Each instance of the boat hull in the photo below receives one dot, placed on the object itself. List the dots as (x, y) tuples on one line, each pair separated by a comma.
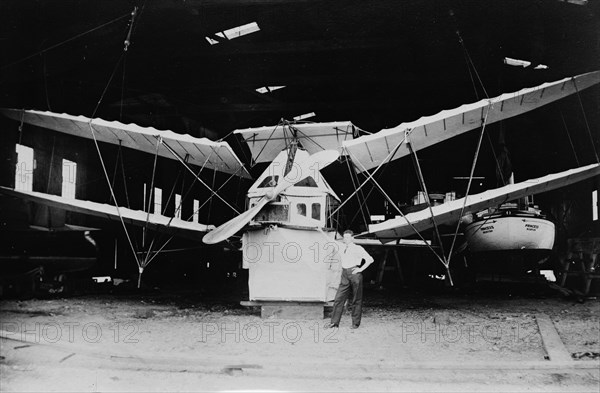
[(509, 243)]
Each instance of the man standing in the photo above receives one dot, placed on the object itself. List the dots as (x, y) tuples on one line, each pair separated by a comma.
[(352, 281)]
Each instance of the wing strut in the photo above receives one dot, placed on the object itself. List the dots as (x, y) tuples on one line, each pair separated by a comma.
[(112, 193), (397, 209), (360, 203), (174, 153), (462, 210), (587, 124), (370, 176), (445, 261), (150, 195)]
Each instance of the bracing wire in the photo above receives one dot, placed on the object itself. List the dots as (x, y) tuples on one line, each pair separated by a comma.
[(587, 124), (390, 200), (360, 209), (65, 41), (112, 192), (424, 186), (471, 174), (371, 174), (570, 140)]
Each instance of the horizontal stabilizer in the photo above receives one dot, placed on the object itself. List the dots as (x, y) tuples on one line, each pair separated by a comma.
[(199, 151), (134, 217), (393, 229), (265, 143), (372, 150)]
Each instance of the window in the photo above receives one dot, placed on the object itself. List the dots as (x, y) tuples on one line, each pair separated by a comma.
[(301, 209), (234, 33), (69, 178), (268, 89), (304, 116), (595, 205), (316, 211), (24, 170), (196, 214), (177, 206), (270, 181), (308, 182), (157, 201)]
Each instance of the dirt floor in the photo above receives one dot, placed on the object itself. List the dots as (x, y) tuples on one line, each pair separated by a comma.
[(183, 341)]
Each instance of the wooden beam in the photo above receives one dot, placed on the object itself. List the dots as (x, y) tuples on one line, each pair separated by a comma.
[(553, 345)]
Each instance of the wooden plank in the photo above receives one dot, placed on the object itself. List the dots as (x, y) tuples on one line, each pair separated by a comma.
[(259, 303), (293, 311), (555, 348)]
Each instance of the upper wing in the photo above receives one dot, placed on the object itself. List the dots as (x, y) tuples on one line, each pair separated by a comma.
[(199, 151), (398, 227), (134, 217), (372, 150), (266, 143)]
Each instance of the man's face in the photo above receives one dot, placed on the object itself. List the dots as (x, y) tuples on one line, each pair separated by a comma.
[(348, 238)]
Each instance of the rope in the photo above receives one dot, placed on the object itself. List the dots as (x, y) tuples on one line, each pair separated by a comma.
[(65, 41)]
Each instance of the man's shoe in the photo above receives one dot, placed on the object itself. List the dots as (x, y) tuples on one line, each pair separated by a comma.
[(330, 325), (354, 327)]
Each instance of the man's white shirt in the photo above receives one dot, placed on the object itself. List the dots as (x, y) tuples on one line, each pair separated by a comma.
[(352, 254)]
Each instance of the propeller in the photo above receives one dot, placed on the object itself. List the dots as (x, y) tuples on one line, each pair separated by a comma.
[(300, 171)]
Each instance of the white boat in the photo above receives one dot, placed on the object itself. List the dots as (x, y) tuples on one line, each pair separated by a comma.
[(509, 237)]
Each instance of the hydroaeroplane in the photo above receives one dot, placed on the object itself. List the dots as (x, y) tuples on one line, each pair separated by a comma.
[(289, 228)]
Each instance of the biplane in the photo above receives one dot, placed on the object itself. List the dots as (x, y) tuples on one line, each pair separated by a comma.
[(290, 227)]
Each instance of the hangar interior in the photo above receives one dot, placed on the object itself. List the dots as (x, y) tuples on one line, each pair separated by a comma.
[(209, 67)]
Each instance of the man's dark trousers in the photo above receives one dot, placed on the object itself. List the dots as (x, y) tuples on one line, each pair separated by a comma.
[(350, 282)]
